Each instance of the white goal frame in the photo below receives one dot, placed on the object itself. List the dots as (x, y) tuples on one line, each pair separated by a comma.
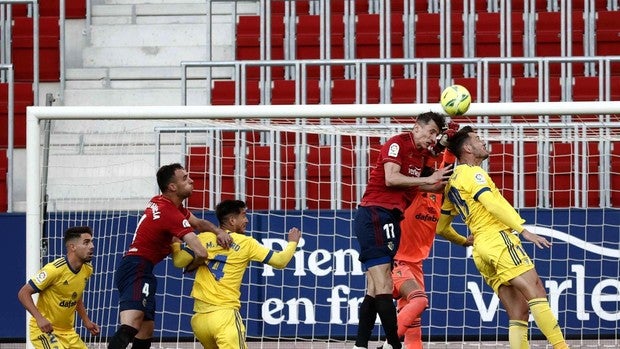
[(35, 116)]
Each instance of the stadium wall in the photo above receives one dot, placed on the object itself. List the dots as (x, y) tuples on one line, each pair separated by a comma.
[(580, 272)]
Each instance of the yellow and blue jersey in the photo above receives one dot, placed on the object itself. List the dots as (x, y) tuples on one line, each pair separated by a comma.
[(464, 188), (59, 289)]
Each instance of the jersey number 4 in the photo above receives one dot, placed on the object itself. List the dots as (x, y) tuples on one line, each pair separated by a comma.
[(216, 266)]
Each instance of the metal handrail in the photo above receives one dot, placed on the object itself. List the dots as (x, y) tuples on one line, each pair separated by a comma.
[(8, 68)]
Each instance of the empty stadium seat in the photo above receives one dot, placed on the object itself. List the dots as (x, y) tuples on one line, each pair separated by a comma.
[(258, 175), (319, 192), (586, 88), (23, 97), (549, 37), (248, 43), (404, 91), (74, 9), (283, 92), (488, 39), (427, 40), (471, 84), (223, 92), (527, 90), (344, 92), (607, 33), (615, 176), (501, 170), (49, 53), (198, 169), (308, 42)]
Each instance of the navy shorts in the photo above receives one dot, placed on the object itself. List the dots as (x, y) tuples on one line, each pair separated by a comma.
[(378, 233), (136, 286)]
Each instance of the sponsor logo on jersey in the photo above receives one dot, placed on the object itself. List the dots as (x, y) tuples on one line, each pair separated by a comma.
[(426, 217), (186, 224), (415, 171), (67, 304)]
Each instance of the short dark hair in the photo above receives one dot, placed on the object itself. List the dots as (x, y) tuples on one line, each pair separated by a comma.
[(165, 174), (75, 233), (227, 208), (455, 144), (425, 118)]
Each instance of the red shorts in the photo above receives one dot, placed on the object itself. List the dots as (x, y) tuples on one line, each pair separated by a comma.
[(404, 271)]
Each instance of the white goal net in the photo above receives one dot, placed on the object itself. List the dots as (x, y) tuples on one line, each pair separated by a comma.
[(307, 166)]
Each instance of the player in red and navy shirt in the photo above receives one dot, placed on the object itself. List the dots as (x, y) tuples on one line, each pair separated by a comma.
[(164, 221), (391, 187)]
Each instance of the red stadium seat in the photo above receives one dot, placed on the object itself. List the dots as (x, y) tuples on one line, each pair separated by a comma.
[(258, 175), (549, 36), (586, 88), (283, 92), (198, 168), (502, 172), (488, 41), (344, 92), (318, 177), (248, 43), (49, 53), (615, 176), (404, 91), (23, 97), (223, 92), (607, 33), (308, 42)]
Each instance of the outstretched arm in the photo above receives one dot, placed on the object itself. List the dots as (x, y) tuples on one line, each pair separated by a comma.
[(502, 211), (280, 259)]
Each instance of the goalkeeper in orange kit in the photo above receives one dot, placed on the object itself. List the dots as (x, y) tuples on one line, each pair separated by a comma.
[(418, 229)]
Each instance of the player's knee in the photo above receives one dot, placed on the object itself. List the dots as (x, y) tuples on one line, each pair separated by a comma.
[(123, 336), (419, 297)]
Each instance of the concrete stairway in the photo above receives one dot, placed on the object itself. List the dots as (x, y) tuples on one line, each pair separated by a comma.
[(134, 49)]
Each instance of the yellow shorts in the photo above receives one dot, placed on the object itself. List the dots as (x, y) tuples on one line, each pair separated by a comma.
[(56, 340), (221, 329), (500, 258)]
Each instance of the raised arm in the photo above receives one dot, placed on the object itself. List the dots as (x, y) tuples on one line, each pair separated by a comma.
[(280, 259)]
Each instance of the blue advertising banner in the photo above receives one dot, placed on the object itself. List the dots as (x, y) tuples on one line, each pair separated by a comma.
[(318, 294)]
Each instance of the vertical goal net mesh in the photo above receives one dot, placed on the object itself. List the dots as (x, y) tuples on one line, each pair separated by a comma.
[(563, 177)]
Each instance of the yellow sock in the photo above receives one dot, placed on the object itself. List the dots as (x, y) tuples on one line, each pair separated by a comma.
[(546, 322), (517, 334)]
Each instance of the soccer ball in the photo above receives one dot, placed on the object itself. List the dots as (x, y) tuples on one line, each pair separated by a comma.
[(455, 100)]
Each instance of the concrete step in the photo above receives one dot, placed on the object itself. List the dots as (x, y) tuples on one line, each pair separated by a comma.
[(151, 35), (144, 73), (141, 56), (133, 96), (172, 10)]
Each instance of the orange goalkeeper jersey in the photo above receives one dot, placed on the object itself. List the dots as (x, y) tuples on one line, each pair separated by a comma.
[(418, 227)]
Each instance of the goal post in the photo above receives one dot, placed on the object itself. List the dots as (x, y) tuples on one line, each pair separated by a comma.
[(307, 166)]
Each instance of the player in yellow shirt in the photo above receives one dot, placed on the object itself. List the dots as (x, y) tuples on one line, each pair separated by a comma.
[(60, 285), (217, 285), (498, 253)]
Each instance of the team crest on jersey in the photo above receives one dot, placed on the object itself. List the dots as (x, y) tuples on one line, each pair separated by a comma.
[(41, 276), (480, 178), (74, 295), (186, 224), (394, 149), (390, 245)]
